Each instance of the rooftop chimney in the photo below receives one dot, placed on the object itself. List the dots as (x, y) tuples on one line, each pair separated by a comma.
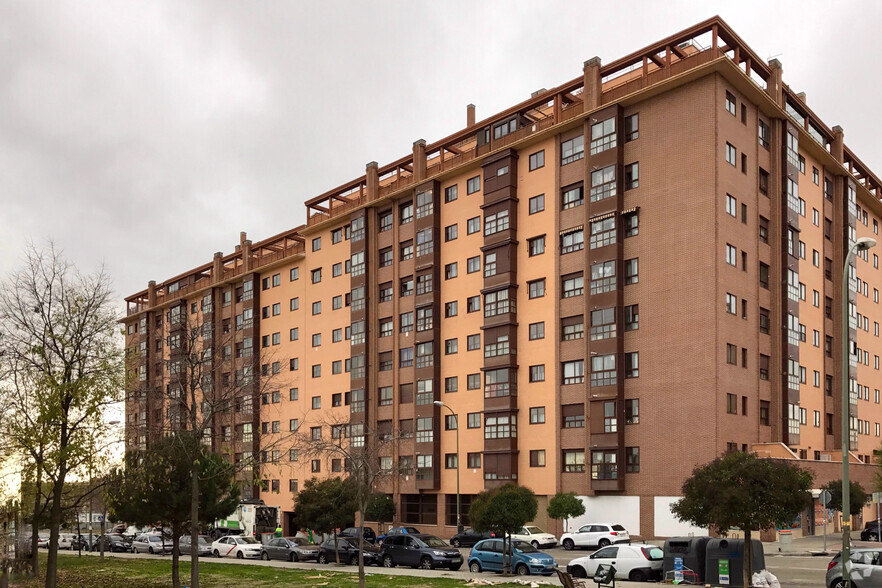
[(470, 115)]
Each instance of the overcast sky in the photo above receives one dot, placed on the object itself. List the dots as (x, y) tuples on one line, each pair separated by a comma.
[(146, 135)]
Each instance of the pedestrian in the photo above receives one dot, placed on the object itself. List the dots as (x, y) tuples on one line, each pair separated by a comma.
[(279, 531)]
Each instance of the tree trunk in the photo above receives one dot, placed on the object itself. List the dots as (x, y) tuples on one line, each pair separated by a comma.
[(361, 547), (79, 543), (336, 548), (176, 551), (55, 525), (35, 525), (194, 527), (747, 560)]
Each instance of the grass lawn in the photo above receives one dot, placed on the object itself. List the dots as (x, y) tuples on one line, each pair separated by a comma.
[(89, 572)]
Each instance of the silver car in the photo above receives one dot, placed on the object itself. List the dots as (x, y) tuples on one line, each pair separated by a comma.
[(151, 543), (866, 569)]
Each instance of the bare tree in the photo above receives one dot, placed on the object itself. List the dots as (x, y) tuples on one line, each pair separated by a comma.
[(62, 364)]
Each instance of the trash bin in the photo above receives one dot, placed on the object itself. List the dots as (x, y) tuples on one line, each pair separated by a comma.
[(784, 540), (691, 553), (605, 575), (725, 559)]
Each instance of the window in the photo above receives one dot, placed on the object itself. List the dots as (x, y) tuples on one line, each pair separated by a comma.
[(473, 304), (405, 213), (603, 233), (405, 322), (385, 221), (632, 176), (450, 309), (537, 288), (473, 185), (317, 244), (316, 275), (572, 328), (537, 373), (632, 317), (764, 275), (537, 160), (731, 304), (764, 181), (425, 242), (295, 274), (450, 271), (536, 245), (731, 205), (731, 354), (603, 183), (294, 303), (473, 225), (632, 127), (473, 381), (537, 331), (473, 264), (450, 193), (764, 134), (500, 427), (632, 460), (537, 458), (573, 416), (424, 283), (572, 150), (451, 346), (317, 307), (405, 286), (537, 203), (603, 135), (603, 324), (731, 255), (573, 285), (731, 154), (572, 197), (631, 224), (405, 357), (632, 369), (386, 292), (573, 460), (450, 233), (424, 202), (386, 257), (572, 241), (451, 384), (631, 273), (574, 371), (603, 370), (496, 223), (730, 103), (474, 460)]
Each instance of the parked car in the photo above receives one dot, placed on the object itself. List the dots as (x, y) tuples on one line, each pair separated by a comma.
[(469, 537), (535, 537), (237, 546), (595, 535), (352, 533), (419, 550), (398, 531), (637, 562), (289, 549), (871, 531), (185, 543), (82, 542), (348, 552), (113, 543), (866, 569), (151, 543), (486, 555), (65, 540), (43, 541)]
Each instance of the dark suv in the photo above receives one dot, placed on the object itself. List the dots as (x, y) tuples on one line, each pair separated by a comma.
[(871, 531), (352, 533), (425, 551)]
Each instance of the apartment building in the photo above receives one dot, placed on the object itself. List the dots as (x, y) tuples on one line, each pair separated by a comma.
[(608, 284)]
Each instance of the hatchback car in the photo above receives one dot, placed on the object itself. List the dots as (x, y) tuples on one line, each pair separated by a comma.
[(871, 531), (151, 543), (526, 559), (185, 543), (352, 533), (866, 569), (289, 549), (637, 562), (469, 537), (535, 537), (595, 535), (237, 546), (348, 550), (419, 550)]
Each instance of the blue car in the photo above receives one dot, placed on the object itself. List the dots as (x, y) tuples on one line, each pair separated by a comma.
[(526, 559)]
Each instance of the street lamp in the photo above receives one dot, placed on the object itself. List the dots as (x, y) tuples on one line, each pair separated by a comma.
[(104, 510), (862, 244), (458, 504)]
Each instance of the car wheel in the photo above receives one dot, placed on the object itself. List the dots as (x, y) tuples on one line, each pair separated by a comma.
[(322, 558), (264, 556), (579, 572), (475, 567), (134, 550), (216, 553), (426, 564), (603, 543), (353, 559), (568, 544), (293, 558), (839, 583), (455, 543), (872, 537), (637, 576), (150, 550), (535, 544), (522, 570), (387, 561), (239, 555)]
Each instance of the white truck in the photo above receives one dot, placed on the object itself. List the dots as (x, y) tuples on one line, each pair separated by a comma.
[(252, 518)]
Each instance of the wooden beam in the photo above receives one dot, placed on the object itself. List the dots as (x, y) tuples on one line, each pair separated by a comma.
[(452, 149), (678, 52), (657, 60)]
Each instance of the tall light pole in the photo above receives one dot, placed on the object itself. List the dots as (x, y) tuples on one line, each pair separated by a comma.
[(862, 244), (103, 509), (458, 504)]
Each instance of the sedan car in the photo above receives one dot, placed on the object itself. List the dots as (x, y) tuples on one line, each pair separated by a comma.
[(289, 549), (469, 537), (418, 550), (866, 569), (348, 550), (595, 535), (112, 543), (237, 546), (398, 531), (526, 559), (535, 537), (185, 542), (352, 533), (151, 543), (637, 562)]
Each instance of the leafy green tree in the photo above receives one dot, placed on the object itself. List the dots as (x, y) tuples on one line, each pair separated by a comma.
[(62, 365), (380, 508), (742, 491), (503, 510), (326, 505), (858, 497), (155, 487), (565, 505)]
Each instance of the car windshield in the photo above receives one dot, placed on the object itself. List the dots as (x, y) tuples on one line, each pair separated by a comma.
[(618, 528), (154, 538), (434, 542), (411, 530), (249, 540), (525, 547), (203, 541), (535, 531)]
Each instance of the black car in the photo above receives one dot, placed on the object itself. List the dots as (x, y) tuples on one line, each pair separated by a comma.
[(289, 549), (112, 543), (352, 533), (82, 542), (469, 537), (348, 552), (424, 551), (871, 531)]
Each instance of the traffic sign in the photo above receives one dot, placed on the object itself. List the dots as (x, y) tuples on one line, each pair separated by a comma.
[(100, 518), (824, 497), (877, 496)]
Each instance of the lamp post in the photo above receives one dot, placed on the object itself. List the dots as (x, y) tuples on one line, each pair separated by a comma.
[(103, 510), (458, 504), (862, 244)]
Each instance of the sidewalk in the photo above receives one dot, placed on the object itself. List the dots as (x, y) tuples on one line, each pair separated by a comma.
[(814, 545)]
